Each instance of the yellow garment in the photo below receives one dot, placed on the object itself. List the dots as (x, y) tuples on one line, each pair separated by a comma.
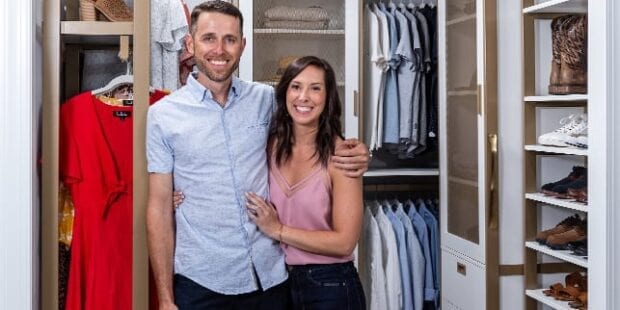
[(66, 212)]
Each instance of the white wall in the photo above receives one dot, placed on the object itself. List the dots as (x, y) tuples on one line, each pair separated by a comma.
[(18, 182), (510, 131)]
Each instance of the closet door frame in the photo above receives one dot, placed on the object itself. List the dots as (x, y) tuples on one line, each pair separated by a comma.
[(486, 251)]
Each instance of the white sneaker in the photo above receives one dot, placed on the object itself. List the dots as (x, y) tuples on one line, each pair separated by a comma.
[(573, 126)]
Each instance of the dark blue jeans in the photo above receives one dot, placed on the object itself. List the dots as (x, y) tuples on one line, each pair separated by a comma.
[(191, 295), (329, 286)]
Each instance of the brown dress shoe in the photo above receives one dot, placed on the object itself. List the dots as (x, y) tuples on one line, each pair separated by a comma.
[(560, 241), (565, 225)]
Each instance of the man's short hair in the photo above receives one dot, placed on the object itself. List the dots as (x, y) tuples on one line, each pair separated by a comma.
[(217, 6)]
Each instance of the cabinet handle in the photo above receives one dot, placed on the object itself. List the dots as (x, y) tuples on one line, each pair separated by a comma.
[(492, 186), (479, 99), (356, 103), (461, 268)]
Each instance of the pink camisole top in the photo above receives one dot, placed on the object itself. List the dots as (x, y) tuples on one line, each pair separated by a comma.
[(306, 204)]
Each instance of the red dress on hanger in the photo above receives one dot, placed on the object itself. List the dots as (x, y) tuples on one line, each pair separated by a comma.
[(96, 164)]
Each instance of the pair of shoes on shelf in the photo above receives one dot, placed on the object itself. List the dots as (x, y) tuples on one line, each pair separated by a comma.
[(560, 241), (576, 180), (569, 42), (113, 10), (571, 229), (574, 290), (572, 132), (565, 225)]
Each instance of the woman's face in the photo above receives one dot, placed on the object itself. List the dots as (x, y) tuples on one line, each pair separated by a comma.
[(305, 96)]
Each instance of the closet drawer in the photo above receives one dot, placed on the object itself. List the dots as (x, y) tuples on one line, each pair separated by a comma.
[(462, 282)]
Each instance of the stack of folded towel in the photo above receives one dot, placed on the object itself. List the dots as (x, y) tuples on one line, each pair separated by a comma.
[(287, 17)]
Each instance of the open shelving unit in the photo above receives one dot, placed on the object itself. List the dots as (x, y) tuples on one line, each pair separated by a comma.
[(536, 203), (58, 33)]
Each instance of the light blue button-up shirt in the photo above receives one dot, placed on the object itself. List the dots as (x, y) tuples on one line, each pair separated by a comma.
[(216, 154)]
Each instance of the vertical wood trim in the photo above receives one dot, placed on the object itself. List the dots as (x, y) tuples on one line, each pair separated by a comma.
[(50, 175), (490, 50), (141, 62)]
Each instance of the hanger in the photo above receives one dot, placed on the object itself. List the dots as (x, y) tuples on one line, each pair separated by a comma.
[(124, 79)]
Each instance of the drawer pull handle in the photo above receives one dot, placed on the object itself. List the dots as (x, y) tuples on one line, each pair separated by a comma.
[(461, 268)]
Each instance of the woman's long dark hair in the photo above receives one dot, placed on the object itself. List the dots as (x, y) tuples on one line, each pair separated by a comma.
[(281, 129)]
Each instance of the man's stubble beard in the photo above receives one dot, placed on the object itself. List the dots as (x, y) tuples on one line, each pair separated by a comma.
[(200, 63)]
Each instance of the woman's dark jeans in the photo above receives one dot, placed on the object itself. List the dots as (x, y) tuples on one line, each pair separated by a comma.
[(329, 286)]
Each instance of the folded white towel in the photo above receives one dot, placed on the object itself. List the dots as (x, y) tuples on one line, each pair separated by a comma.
[(296, 24)]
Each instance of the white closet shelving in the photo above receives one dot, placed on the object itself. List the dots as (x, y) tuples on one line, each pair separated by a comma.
[(537, 206)]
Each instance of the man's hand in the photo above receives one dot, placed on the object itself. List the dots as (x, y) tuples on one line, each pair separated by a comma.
[(352, 156)]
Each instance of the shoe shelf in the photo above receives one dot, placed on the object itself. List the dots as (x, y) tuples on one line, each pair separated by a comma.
[(556, 98), (549, 301), (559, 254), (558, 7), (299, 31), (403, 172), (462, 19), (556, 150), (564, 203), (96, 28)]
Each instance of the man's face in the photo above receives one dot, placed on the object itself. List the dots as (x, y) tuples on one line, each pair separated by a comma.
[(216, 45)]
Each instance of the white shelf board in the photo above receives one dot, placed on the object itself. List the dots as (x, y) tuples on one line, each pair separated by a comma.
[(274, 83), (299, 31), (559, 254), (549, 301), (394, 172), (556, 150), (558, 6), (96, 28), (564, 203), (462, 19), (556, 98)]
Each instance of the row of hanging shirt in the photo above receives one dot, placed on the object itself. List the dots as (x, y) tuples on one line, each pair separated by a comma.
[(402, 82), (398, 254)]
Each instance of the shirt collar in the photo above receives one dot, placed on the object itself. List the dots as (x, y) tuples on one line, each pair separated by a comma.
[(201, 93)]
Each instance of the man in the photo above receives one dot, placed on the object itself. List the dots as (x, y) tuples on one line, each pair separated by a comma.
[(212, 134)]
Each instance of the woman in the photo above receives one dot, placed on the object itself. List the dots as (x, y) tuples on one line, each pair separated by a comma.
[(318, 210), (315, 210)]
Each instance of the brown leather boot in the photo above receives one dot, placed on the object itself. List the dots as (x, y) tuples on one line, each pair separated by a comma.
[(554, 77), (573, 67)]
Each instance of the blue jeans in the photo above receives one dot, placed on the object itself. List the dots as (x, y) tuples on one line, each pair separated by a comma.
[(191, 295), (329, 286)]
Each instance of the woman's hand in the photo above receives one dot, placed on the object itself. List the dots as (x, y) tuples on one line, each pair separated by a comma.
[(177, 198), (264, 214)]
